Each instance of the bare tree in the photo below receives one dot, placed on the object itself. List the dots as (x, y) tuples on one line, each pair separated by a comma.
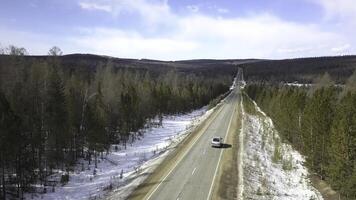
[(323, 81), (2, 50), (55, 51), (16, 51), (350, 85)]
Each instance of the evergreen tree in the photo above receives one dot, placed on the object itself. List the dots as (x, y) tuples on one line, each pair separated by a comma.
[(56, 119), (51, 115), (10, 140), (339, 159), (320, 125)]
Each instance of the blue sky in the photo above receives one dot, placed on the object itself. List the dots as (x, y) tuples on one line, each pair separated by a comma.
[(182, 29)]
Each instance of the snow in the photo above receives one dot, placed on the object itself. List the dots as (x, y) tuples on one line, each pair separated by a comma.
[(296, 84), (265, 176), (234, 83), (240, 163), (131, 163), (137, 178)]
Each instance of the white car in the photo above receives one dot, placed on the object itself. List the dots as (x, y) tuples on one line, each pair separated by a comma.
[(216, 142)]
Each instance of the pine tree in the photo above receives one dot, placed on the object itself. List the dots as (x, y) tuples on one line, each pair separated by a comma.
[(54, 114), (338, 151), (351, 184), (95, 125), (56, 119), (10, 140), (75, 102), (326, 128)]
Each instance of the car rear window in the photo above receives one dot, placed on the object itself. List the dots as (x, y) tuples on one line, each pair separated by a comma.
[(216, 139)]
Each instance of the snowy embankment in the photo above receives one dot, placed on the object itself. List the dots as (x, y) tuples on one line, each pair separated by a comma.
[(296, 84), (272, 169), (122, 167)]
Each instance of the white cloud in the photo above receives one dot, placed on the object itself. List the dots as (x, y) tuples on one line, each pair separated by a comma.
[(339, 16), (121, 43), (193, 8), (201, 36), (295, 50), (223, 10), (35, 43), (341, 49), (197, 36), (94, 6), (338, 8), (194, 35), (151, 11), (256, 36)]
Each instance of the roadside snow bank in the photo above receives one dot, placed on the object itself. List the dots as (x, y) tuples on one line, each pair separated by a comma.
[(272, 169), (122, 166)]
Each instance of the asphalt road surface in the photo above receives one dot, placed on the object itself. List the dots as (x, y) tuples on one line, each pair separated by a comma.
[(193, 176)]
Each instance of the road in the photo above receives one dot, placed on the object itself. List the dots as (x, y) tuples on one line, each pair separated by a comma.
[(193, 176)]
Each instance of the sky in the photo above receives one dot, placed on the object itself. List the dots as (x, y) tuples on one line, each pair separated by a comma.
[(182, 29)]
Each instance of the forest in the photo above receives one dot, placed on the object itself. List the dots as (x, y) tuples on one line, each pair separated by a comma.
[(320, 122), (53, 114), (302, 70)]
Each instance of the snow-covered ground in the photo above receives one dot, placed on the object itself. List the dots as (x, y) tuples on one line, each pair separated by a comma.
[(272, 169), (296, 84), (117, 169)]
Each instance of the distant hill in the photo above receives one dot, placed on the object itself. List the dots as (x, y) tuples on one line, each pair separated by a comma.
[(303, 70), (91, 62)]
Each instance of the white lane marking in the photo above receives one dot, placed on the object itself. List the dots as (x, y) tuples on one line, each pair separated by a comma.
[(204, 151), (193, 170), (217, 166), (185, 153)]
